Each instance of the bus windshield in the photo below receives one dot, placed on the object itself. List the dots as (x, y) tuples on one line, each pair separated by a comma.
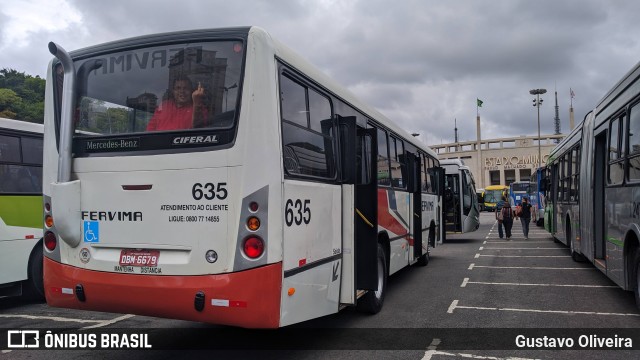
[(160, 88), (520, 186), (493, 196)]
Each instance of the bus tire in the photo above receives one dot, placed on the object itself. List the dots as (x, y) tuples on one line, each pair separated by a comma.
[(372, 301), (33, 287), (424, 259)]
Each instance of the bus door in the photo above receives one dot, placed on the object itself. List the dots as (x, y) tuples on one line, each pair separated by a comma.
[(550, 220), (599, 167), (438, 174), (360, 209), (413, 166), (452, 203)]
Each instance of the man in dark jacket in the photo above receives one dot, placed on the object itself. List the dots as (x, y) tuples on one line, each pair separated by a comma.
[(525, 216)]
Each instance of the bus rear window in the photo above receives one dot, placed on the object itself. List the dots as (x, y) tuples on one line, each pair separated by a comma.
[(177, 87)]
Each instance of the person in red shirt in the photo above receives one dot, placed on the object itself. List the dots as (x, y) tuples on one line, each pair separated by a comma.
[(183, 110)]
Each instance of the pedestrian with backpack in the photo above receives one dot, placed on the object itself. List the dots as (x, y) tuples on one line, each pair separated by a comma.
[(507, 218), (498, 215)]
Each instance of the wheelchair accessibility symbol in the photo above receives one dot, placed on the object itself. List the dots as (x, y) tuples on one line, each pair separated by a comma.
[(91, 231)]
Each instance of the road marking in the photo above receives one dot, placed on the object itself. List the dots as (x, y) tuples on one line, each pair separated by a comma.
[(466, 281), (98, 323), (535, 248), (517, 242), (481, 247), (108, 322), (431, 350), (53, 318), (477, 256), (479, 357), (529, 267), (484, 242), (525, 256), (452, 307)]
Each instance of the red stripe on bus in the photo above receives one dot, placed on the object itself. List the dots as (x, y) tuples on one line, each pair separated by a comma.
[(172, 296), (386, 219)]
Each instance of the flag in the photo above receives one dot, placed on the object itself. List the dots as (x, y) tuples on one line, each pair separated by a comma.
[(479, 102), (572, 93)]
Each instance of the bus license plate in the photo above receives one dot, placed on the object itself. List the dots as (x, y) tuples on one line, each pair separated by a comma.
[(139, 257)]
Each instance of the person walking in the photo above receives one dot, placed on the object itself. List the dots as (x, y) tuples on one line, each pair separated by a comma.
[(507, 218), (498, 215), (525, 216)]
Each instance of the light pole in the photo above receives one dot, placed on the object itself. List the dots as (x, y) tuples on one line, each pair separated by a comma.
[(537, 102), (226, 94)]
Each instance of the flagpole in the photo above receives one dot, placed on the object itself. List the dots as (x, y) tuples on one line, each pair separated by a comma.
[(479, 143)]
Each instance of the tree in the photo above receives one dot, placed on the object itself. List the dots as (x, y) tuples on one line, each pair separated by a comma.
[(21, 96), (9, 103)]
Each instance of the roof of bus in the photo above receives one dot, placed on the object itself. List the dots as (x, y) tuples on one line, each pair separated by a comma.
[(21, 125), (612, 95), (294, 59), (496, 187)]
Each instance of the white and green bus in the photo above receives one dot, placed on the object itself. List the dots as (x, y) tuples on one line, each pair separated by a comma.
[(593, 192), (216, 176), (20, 208)]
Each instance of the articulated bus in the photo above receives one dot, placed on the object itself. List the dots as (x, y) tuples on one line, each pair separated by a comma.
[(493, 194), (216, 176), (537, 193), (594, 192), (21, 209), (462, 212)]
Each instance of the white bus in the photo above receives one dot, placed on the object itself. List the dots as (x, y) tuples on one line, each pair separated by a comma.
[(593, 197), (267, 196), (20, 209), (462, 211)]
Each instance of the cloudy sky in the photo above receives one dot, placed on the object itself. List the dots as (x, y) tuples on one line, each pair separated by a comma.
[(423, 63)]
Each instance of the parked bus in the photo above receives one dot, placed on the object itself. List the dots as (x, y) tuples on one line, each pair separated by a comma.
[(594, 193), (518, 190), (461, 203), (268, 196), (537, 193), (20, 209), (493, 194)]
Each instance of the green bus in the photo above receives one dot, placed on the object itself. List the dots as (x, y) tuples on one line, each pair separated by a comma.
[(21, 209)]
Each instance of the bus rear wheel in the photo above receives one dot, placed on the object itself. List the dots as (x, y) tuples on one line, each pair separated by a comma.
[(372, 301), (33, 287)]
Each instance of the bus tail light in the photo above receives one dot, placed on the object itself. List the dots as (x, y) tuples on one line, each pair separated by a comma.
[(253, 247), (50, 241)]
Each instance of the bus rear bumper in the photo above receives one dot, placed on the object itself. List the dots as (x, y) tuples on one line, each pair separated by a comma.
[(248, 298)]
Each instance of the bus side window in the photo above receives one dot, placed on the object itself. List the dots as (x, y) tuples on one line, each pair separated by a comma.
[(383, 159), (634, 143)]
